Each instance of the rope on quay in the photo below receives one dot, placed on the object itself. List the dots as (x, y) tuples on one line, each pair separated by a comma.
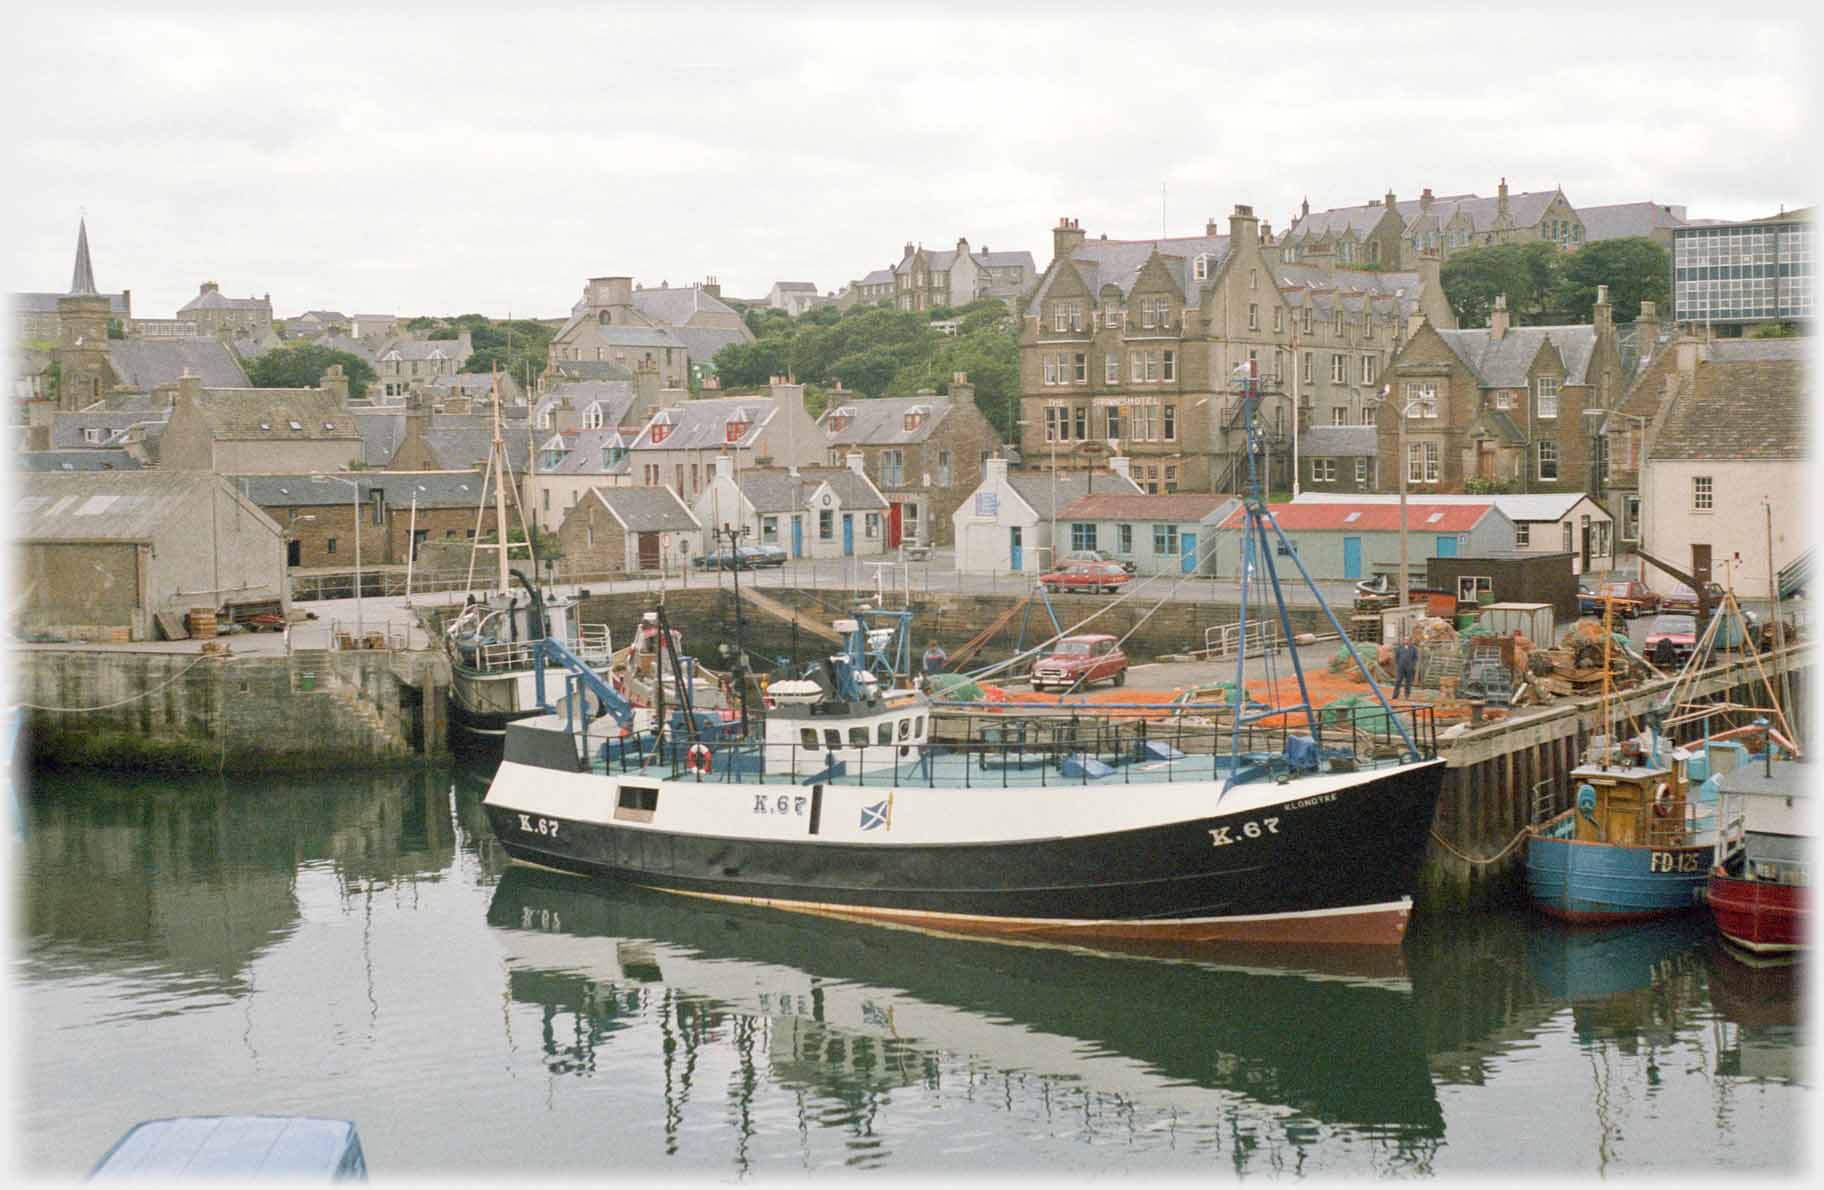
[(1470, 859), (124, 701)]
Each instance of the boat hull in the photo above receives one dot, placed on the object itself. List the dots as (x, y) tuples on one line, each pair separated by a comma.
[(1758, 915), (1335, 868), (1592, 882)]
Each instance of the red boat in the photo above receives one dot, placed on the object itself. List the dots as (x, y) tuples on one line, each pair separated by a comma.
[(1759, 889)]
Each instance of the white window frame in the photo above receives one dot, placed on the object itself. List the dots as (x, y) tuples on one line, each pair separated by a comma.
[(1523, 534), (1339, 368), (1426, 396), (1169, 366), (1703, 494), (1546, 399), (1368, 361), (1111, 368), (1253, 316), (1323, 470), (1546, 447)]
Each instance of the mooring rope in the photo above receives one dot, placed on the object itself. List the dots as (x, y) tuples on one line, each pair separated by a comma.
[(1470, 859), (124, 701)]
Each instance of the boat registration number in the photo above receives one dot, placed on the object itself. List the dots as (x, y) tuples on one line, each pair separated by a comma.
[(1674, 861), (1222, 836), (538, 826)]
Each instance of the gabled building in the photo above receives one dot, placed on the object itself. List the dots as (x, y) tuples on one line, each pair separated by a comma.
[(410, 363), (1622, 220), (925, 279), (1728, 464), (675, 331), (923, 452), (615, 532), (811, 512), (251, 430), (399, 512), (871, 290), (794, 297), (1007, 523), (569, 463), (1506, 408), (1394, 234), (1341, 459), (1131, 347), (216, 313), (679, 445)]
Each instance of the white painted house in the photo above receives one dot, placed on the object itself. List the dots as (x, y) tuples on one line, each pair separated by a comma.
[(1007, 521), (1728, 452), (810, 512)]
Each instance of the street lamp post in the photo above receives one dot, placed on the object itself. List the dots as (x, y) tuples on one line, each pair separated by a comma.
[(355, 504), (1401, 465)]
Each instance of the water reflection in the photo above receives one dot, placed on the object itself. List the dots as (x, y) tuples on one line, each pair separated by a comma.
[(850, 1013)]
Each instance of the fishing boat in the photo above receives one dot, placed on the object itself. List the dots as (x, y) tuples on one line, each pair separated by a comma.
[(490, 643), (1280, 826), (1760, 883)]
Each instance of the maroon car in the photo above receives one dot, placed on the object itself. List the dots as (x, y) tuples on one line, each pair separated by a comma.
[(1670, 639), (1684, 599), (1080, 660), (1085, 576), (1630, 597)]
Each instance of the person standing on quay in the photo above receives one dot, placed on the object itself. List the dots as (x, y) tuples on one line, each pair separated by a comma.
[(1405, 667)]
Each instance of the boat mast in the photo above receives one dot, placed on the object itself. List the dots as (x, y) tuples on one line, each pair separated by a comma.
[(497, 453)]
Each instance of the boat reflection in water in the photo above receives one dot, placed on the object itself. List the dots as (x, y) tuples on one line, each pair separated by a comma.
[(842, 1005), (1762, 1033), (1641, 985)]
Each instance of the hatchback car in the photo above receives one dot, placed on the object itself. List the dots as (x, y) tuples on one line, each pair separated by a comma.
[(1670, 639), (1684, 599), (1630, 597), (1076, 556), (1080, 660), (1085, 576)]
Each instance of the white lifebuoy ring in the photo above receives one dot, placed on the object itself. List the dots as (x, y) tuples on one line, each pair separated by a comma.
[(697, 760), (1662, 801)]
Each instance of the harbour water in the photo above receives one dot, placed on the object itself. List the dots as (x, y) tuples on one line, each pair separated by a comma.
[(360, 948)]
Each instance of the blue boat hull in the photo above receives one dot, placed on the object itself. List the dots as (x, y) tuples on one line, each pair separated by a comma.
[(1602, 882)]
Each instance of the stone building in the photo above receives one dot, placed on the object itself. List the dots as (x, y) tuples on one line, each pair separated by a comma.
[(679, 446), (399, 512), (794, 297), (1339, 459), (1131, 348), (925, 279), (925, 453), (260, 430), (215, 313), (1646, 220), (615, 532), (98, 552), (1393, 234), (810, 512), (678, 331), (871, 290), (407, 364), (1507, 408)]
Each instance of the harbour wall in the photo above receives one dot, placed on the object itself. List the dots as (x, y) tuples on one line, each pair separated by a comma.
[(310, 710)]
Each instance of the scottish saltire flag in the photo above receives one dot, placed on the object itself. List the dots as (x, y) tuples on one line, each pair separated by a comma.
[(873, 816)]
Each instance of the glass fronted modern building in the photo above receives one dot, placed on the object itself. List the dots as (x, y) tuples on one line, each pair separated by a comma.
[(1757, 271)]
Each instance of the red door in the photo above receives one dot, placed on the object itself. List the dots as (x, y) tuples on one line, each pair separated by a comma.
[(893, 526)]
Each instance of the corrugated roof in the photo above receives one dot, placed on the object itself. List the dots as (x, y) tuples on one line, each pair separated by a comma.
[(110, 505), (646, 510), (1180, 507), (1373, 517)]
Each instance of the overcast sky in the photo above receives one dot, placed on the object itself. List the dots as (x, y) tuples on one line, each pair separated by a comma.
[(443, 160)]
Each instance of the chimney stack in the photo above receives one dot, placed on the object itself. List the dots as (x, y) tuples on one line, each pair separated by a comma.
[(1121, 465), (1501, 196), (1211, 228), (1497, 319), (725, 468), (1243, 226), (1064, 238), (1646, 327), (335, 384), (712, 287), (1602, 314), (857, 462), (995, 470), (189, 386), (1388, 200), (1425, 199)]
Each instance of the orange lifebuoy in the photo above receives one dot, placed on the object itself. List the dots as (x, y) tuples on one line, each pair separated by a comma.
[(697, 760), (1662, 801)]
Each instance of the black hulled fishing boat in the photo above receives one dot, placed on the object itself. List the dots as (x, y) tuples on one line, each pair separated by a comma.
[(1277, 826)]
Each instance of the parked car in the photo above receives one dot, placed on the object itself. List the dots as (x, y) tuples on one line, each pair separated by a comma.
[(1097, 556), (1588, 602), (1630, 597), (1684, 599), (764, 555), (1670, 639), (1085, 576), (740, 558), (1080, 660)]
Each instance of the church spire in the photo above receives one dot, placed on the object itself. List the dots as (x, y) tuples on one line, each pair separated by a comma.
[(82, 281)]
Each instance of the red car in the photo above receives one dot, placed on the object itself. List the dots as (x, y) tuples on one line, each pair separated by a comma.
[(1080, 660), (1670, 639), (1085, 576), (1684, 599), (1631, 597)]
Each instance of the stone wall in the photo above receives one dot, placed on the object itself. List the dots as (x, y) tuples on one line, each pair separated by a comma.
[(312, 710)]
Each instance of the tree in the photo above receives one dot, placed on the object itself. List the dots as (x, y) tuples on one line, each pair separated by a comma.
[(1634, 268), (115, 330), (1526, 273), (302, 365), (519, 346), (422, 323)]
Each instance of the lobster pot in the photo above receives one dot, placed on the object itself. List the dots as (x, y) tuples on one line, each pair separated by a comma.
[(201, 622)]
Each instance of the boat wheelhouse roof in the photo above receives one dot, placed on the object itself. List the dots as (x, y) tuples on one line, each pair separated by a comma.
[(1788, 780)]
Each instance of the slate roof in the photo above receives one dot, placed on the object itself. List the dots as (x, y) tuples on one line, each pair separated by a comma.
[(882, 421), (584, 453), (677, 306), (428, 349), (1118, 262), (67, 429), (1539, 506), (616, 396), (1627, 219), (46, 303), (1035, 487), (877, 277), (590, 369), (1179, 507), (776, 489), (699, 425), (109, 505), (795, 287), (646, 510), (359, 348), (432, 489), (74, 460), (215, 299), (1374, 516), (1337, 441), (381, 433), (1503, 363), (275, 415), (1747, 403), (702, 342), (145, 364), (462, 447)]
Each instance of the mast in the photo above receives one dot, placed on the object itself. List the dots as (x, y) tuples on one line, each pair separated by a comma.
[(497, 454)]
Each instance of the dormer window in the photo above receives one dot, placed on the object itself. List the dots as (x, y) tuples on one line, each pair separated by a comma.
[(592, 416), (296, 425), (736, 427), (1200, 267), (915, 416), (839, 420)]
